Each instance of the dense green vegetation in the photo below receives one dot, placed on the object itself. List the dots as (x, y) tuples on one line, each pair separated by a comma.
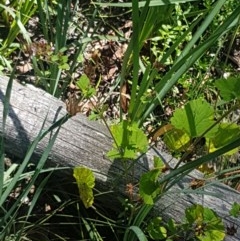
[(174, 68)]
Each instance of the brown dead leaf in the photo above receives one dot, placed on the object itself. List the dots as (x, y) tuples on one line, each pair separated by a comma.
[(197, 183), (72, 105), (112, 71), (124, 98), (26, 67), (120, 51), (128, 24), (87, 106), (161, 131)]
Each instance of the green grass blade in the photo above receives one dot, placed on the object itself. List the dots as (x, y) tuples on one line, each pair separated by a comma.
[(182, 65), (27, 158), (142, 3), (135, 37), (44, 17), (137, 233), (62, 23), (20, 19), (180, 39), (6, 105), (176, 175), (20, 170), (142, 97), (38, 170), (12, 211), (92, 230), (207, 21), (34, 200)]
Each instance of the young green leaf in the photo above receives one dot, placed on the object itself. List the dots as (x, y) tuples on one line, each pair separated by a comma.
[(229, 88), (158, 163), (156, 230), (149, 188), (207, 225), (129, 139), (64, 66), (177, 140), (235, 210), (83, 83), (195, 118), (54, 58), (85, 86), (171, 225), (226, 133), (86, 181)]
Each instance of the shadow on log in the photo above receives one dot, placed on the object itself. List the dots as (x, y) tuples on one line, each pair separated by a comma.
[(84, 142)]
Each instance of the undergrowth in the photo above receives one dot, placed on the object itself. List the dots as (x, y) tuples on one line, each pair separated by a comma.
[(174, 82)]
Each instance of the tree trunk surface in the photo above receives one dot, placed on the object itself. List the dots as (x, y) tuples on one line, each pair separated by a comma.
[(82, 142)]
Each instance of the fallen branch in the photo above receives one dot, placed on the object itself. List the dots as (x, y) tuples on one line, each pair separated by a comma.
[(84, 142)]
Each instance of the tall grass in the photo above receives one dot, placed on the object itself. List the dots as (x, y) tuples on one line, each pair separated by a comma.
[(9, 179), (144, 18), (15, 16)]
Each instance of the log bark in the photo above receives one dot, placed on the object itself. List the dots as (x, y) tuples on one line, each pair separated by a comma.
[(84, 142)]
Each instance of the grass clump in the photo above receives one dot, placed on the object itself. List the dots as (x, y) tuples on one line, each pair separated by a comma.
[(165, 83)]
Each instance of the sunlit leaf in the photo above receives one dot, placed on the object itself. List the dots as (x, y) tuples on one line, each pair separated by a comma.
[(158, 163), (229, 88), (64, 59), (54, 58), (226, 133), (85, 86), (83, 83), (195, 118), (177, 140), (64, 66), (86, 181), (129, 141)]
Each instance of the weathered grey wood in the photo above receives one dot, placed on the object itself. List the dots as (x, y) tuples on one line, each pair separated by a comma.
[(84, 142)]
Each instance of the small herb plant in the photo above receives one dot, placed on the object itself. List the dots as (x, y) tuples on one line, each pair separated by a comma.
[(12, 179), (195, 120), (200, 223), (184, 43)]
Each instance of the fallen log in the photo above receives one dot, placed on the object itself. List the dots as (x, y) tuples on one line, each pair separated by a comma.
[(84, 142)]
